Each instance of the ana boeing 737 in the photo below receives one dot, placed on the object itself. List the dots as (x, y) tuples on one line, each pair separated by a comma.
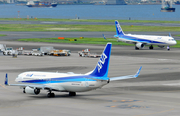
[(141, 40), (34, 82)]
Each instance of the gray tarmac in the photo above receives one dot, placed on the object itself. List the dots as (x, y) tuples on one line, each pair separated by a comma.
[(22, 35), (154, 93), (88, 23)]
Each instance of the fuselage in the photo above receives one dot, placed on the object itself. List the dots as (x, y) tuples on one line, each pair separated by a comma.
[(64, 82), (148, 39)]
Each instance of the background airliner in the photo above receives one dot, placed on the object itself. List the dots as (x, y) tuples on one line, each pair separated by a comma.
[(141, 40), (34, 82)]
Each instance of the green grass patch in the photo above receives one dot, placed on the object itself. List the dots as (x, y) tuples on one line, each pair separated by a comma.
[(82, 28), (100, 41), (2, 35), (86, 20)]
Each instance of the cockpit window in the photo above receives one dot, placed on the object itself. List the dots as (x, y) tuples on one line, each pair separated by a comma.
[(171, 40)]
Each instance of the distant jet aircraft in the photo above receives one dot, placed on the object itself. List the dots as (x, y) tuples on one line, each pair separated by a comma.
[(34, 82), (141, 40)]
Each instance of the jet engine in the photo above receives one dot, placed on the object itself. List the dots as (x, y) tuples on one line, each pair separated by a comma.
[(139, 45), (32, 91)]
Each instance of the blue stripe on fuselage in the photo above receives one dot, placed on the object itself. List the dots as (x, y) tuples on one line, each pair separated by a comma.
[(64, 79), (139, 39)]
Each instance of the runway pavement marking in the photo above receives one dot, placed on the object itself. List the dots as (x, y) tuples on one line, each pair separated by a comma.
[(125, 101), (127, 106), (155, 112), (5, 87)]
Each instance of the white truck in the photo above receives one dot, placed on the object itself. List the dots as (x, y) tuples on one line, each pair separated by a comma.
[(36, 52), (9, 51), (2, 49), (45, 49), (86, 53)]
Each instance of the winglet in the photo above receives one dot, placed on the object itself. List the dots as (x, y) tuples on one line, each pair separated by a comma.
[(104, 36), (6, 80), (138, 72)]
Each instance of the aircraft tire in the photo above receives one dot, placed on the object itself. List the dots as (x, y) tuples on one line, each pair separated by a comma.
[(24, 90), (151, 47), (72, 93), (49, 95)]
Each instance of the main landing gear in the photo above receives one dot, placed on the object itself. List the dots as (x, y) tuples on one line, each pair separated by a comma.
[(151, 47), (50, 94), (72, 93)]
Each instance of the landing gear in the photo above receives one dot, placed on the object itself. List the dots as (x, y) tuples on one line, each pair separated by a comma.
[(50, 94), (151, 47), (72, 93), (136, 48), (24, 90)]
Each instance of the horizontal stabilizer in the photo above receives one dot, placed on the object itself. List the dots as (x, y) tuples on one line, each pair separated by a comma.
[(126, 77)]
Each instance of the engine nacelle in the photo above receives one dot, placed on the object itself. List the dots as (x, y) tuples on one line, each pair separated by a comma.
[(32, 91), (161, 46), (139, 45)]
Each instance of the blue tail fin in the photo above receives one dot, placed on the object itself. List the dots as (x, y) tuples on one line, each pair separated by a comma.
[(119, 30), (102, 66)]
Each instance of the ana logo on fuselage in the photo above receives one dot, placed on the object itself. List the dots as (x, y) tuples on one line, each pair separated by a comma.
[(101, 61), (29, 75)]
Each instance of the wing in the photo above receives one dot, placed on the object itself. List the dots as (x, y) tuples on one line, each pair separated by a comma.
[(33, 86), (126, 77), (38, 86)]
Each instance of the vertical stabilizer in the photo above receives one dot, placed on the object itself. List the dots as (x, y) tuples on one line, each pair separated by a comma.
[(102, 66), (119, 30)]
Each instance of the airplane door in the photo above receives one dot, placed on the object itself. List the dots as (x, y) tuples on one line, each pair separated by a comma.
[(86, 83)]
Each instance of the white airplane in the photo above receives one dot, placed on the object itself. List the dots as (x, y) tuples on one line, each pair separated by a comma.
[(34, 82), (141, 40)]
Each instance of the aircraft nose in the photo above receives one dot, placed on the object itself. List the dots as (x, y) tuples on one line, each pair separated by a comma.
[(174, 42)]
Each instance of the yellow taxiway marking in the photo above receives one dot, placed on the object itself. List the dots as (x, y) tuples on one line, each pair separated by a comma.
[(5, 87), (113, 106)]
